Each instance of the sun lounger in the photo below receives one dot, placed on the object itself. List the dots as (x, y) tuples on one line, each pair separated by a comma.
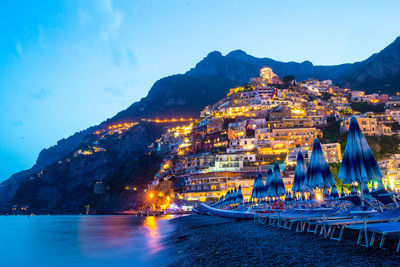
[(384, 229), (386, 216), (385, 197)]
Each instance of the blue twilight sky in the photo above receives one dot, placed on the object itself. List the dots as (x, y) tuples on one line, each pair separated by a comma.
[(67, 65)]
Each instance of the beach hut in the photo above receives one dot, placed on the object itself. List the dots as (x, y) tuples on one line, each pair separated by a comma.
[(276, 187), (299, 174), (358, 163), (318, 172)]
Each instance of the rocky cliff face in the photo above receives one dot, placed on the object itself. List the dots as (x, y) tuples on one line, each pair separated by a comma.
[(67, 185), (381, 71)]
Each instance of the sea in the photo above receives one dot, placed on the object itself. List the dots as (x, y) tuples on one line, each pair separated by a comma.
[(84, 240)]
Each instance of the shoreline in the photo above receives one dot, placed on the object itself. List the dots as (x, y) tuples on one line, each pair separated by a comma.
[(211, 241)]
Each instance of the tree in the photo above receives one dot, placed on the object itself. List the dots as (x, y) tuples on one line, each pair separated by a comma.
[(364, 107), (289, 79), (395, 126)]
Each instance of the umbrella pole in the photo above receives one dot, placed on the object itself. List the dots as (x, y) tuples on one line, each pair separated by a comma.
[(362, 194)]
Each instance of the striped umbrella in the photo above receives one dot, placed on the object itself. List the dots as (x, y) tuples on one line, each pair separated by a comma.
[(334, 192), (353, 190), (239, 196), (227, 197), (257, 187), (234, 196), (365, 188), (268, 182), (318, 172), (358, 163), (299, 174), (276, 187), (342, 194)]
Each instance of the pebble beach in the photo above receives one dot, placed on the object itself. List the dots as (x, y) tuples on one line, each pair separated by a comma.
[(214, 241)]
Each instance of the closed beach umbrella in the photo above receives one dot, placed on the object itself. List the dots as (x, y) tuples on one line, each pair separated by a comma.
[(228, 197), (253, 191), (299, 174), (334, 192), (325, 192), (318, 172), (239, 196), (231, 196), (353, 190), (276, 187), (257, 187), (358, 163), (268, 181), (365, 188), (342, 194), (380, 185), (234, 196), (262, 188)]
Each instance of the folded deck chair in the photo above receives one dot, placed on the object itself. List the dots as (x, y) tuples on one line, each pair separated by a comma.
[(384, 229)]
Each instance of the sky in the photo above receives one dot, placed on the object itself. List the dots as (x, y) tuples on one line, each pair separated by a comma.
[(68, 65)]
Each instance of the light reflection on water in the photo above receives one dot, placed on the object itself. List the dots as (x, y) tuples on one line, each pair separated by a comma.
[(82, 240)]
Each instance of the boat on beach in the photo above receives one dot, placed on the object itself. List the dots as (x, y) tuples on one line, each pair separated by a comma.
[(243, 215)]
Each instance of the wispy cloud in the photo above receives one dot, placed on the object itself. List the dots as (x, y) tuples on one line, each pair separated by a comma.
[(17, 123), (113, 21), (41, 36), (18, 47), (113, 91), (41, 94), (83, 17)]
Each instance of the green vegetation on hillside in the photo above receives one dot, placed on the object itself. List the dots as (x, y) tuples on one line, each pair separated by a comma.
[(365, 107), (381, 146)]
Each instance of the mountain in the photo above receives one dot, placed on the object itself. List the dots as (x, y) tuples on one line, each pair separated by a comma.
[(181, 95)]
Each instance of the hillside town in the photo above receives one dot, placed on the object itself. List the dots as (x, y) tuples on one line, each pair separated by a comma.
[(268, 120)]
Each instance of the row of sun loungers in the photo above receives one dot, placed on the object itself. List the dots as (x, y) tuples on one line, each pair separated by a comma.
[(339, 217)]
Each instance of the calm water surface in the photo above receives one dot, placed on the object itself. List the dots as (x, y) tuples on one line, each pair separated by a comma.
[(83, 240)]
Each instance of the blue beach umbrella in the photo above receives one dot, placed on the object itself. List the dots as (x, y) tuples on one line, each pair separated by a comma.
[(239, 196), (358, 163), (227, 197), (276, 187), (318, 172), (325, 192), (268, 181), (299, 174), (334, 192), (257, 187), (234, 196), (353, 190), (342, 194), (365, 188)]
